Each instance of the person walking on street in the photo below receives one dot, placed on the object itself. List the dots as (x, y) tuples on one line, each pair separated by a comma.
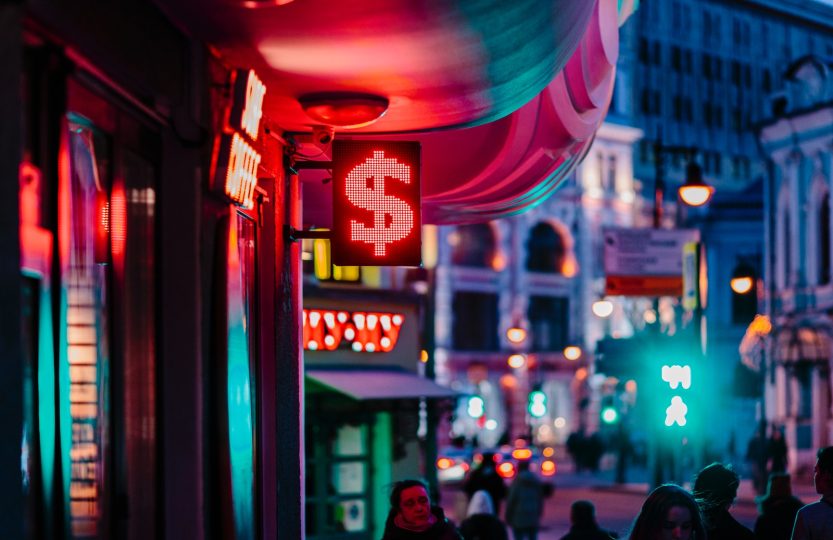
[(485, 477), (776, 451), (669, 513), (776, 510), (412, 517), (756, 457), (815, 521), (481, 523), (715, 489), (583, 523), (525, 504)]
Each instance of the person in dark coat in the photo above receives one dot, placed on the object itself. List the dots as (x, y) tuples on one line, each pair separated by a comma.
[(481, 523), (412, 517), (583, 523), (777, 509), (776, 451), (525, 504), (485, 477), (715, 489)]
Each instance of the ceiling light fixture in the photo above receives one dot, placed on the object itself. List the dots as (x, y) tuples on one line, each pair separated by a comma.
[(345, 110)]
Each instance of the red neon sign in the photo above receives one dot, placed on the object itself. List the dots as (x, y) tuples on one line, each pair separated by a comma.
[(360, 331), (376, 196), (247, 108), (240, 170)]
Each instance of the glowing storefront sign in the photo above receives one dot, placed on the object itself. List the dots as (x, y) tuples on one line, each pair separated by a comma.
[(376, 203), (247, 109), (237, 161), (360, 331)]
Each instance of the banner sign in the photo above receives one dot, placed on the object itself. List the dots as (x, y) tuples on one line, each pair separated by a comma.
[(645, 262), (376, 203)]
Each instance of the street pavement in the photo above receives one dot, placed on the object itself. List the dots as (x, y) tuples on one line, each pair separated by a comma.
[(616, 505)]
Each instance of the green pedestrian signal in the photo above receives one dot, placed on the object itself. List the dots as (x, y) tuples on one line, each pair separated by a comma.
[(678, 379), (537, 404)]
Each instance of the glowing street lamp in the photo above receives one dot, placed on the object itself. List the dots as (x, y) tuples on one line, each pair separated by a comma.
[(602, 308), (572, 352), (695, 191), (516, 335)]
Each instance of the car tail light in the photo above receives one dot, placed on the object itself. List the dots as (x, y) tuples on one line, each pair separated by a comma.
[(521, 453), (444, 463), (548, 468), (506, 470)]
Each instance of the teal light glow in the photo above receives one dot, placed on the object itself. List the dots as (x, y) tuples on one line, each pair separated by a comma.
[(239, 392), (46, 393)]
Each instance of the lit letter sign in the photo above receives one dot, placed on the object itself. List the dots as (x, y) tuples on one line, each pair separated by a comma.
[(235, 168), (376, 214), (359, 331)]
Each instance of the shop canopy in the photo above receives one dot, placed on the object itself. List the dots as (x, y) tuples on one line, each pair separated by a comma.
[(377, 383), (505, 97)]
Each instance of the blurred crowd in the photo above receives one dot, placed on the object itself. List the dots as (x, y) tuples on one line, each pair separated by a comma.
[(668, 512)]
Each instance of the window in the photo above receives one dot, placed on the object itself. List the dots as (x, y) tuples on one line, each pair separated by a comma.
[(549, 322), (824, 240), (644, 55), (645, 102), (473, 245), (475, 326), (766, 81), (744, 306), (736, 72), (545, 249), (676, 58), (610, 182)]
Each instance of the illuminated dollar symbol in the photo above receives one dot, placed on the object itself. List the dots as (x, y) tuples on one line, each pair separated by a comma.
[(374, 199)]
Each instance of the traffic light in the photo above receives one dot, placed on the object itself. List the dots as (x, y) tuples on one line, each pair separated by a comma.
[(678, 379), (608, 412), (476, 407), (537, 404)]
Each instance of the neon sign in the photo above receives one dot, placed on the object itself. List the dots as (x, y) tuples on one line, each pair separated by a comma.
[(237, 161), (376, 196), (360, 331), (247, 108)]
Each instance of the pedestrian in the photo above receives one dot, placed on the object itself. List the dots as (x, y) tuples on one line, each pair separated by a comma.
[(715, 489), (525, 503), (583, 525), (776, 451), (756, 458), (669, 513), (481, 523), (485, 476), (412, 517), (777, 509), (815, 520)]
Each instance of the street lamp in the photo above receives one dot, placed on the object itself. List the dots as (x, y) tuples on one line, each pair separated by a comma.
[(695, 192)]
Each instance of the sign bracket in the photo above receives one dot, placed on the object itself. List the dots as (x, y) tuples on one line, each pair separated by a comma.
[(291, 234)]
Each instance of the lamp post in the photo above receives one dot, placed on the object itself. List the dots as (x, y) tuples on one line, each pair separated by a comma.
[(693, 192)]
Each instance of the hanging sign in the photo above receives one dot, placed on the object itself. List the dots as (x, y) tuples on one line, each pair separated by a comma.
[(645, 262), (376, 203), (237, 161)]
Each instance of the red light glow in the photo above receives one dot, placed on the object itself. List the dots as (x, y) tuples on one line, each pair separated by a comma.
[(521, 453), (358, 331), (344, 109), (376, 203), (548, 468), (247, 109), (118, 220)]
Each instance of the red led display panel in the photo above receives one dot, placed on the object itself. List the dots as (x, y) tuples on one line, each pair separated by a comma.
[(376, 203)]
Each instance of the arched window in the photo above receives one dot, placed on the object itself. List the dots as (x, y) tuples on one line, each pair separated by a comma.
[(545, 249), (824, 241), (474, 245)]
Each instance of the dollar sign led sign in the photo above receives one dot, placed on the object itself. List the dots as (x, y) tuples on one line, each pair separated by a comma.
[(376, 214)]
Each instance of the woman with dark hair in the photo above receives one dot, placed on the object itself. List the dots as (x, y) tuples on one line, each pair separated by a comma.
[(715, 488), (412, 517), (669, 512)]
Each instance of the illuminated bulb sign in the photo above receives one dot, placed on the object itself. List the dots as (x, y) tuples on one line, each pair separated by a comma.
[(237, 161), (376, 203), (360, 331)]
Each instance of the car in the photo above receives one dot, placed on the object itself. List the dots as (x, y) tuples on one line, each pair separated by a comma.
[(541, 462), (453, 464)]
